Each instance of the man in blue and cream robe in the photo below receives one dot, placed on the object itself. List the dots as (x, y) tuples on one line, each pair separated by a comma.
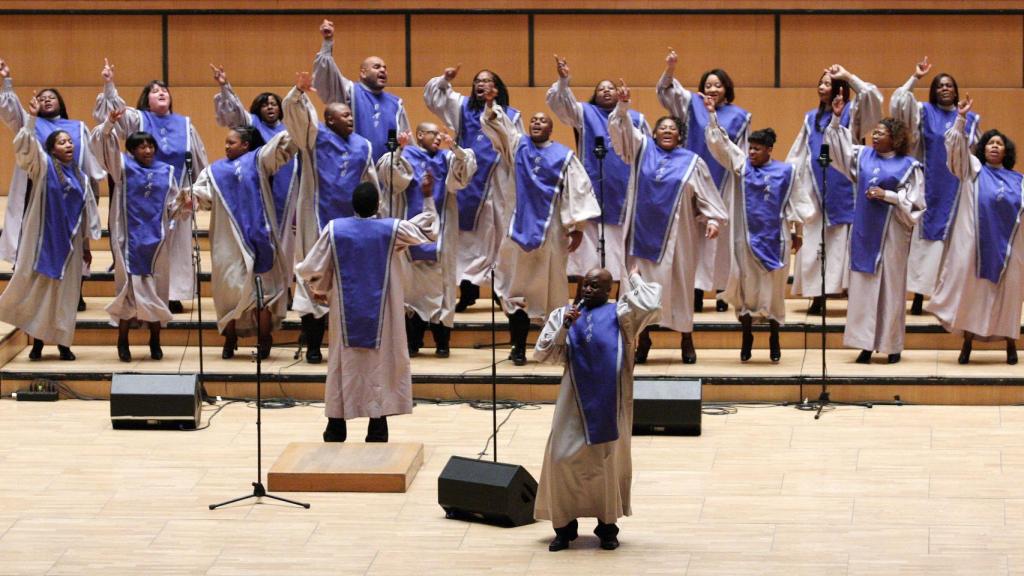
[(333, 160), (588, 467), (355, 268), (553, 198)]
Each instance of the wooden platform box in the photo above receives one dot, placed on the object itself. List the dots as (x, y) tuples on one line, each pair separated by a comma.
[(345, 467)]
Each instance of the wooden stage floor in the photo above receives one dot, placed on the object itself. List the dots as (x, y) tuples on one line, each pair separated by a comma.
[(889, 490)]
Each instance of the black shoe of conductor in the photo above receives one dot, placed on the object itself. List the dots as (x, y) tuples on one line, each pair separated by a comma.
[(563, 536)]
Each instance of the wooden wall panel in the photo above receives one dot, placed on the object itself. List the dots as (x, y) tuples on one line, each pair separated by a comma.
[(499, 43), (69, 50), (269, 50), (634, 47), (982, 51)]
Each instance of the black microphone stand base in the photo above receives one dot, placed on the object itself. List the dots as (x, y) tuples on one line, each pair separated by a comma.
[(258, 491)]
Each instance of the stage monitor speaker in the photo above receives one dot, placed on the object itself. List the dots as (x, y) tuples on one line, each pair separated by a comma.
[(670, 407), (491, 492), (155, 401)]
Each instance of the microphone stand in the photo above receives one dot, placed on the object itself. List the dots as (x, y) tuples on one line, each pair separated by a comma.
[(600, 151), (824, 160), (197, 268), (392, 146), (258, 490), (494, 377)]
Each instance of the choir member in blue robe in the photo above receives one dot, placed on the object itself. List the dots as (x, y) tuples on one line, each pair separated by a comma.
[(552, 200), (430, 270), (889, 202), (355, 268), (144, 200), (674, 205), (928, 123), (264, 114), (483, 204), (177, 140), (333, 160), (588, 466), (764, 206), (713, 271), (53, 115), (979, 290), (243, 243), (589, 121), (42, 296), (830, 193), (375, 110)]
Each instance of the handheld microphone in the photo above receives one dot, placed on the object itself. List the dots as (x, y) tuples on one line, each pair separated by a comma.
[(599, 149), (824, 159), (392, 140), (575, 306)]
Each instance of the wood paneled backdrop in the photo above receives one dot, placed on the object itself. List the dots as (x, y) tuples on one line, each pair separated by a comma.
[(775, 58)]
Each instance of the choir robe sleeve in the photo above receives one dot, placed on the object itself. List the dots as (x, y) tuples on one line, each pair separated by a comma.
[(330, 84), (106, 149), (673, 97), (401, 175), (627, 139), (842, 149), (865, 109), (203, 189), (28, 151), (316, 271), (420, 229), (502, 133), (229, 110), (909, 199), (300, 119), (12, 114), (802, 177), (275, 154), (903, 106), (199, 159), (552, 345), (708, 200), (724, 150), (579, 203), (444, 102), (563, 104), (461, 169), (639, 307), (964, 165), (109, 100)]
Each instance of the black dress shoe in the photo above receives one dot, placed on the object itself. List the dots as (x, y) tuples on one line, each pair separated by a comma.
[(81, 304), (918, 305), (1011, 352), (609, 535), (442, 352), (643, 348), (894, 358), (336, 431), (230, 345), (689, 354), (314, 356), (263, 348), (124, 354), (864, 357), (817, 304), (175, 307), (748, 344), (774, 349), (155, 351), (65, 353), (721, 305), (518, 356), (37, 350), (563, 536)]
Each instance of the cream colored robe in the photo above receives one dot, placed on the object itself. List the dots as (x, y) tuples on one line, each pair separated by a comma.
[(865, 112), (752, 289), (581, 480), (962, 301), (364, 382), (232, 279), (179, 240), (478, 249), (300, 118), (41, 306), (137, 296), (430, 286), (700, 203), (536, 281), (877, 311)]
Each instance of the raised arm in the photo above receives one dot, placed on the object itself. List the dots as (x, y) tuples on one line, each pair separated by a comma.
[(709, 200), (866, 107), (498, 127), (28, 151), (328, 80), (560, 98), (671, 94), (904, 107), (423, 227), (11, 112), (299, 115), (443, 100), (579, 203), (106, 148), (843, 150), (627, 140), (275, 154), (640, 306), (109, 99), (959, 159), (552, 347), (227, 107), (722, 148), (317, 269), (461, 168)]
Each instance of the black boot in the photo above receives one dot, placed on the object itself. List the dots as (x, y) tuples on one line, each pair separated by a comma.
[(609, 535), (748, 337), (686, 347), (155, 351), (414, 329), (468, 293), (965, 350), (817, 306), (442, 336), (643, 346), (563, 536), (377, 430), (917, 306), (124, 354), (519, 327), (864, 357), (230, 342), (37, 349), (1011, 351), (336, 431), (774, 350), (698, 300), (65, 352), (313, 329)]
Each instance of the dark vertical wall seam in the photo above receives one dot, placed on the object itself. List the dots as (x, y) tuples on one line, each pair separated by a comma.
[(778, 50), (408, 49), (530, 50), (166, 50)]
